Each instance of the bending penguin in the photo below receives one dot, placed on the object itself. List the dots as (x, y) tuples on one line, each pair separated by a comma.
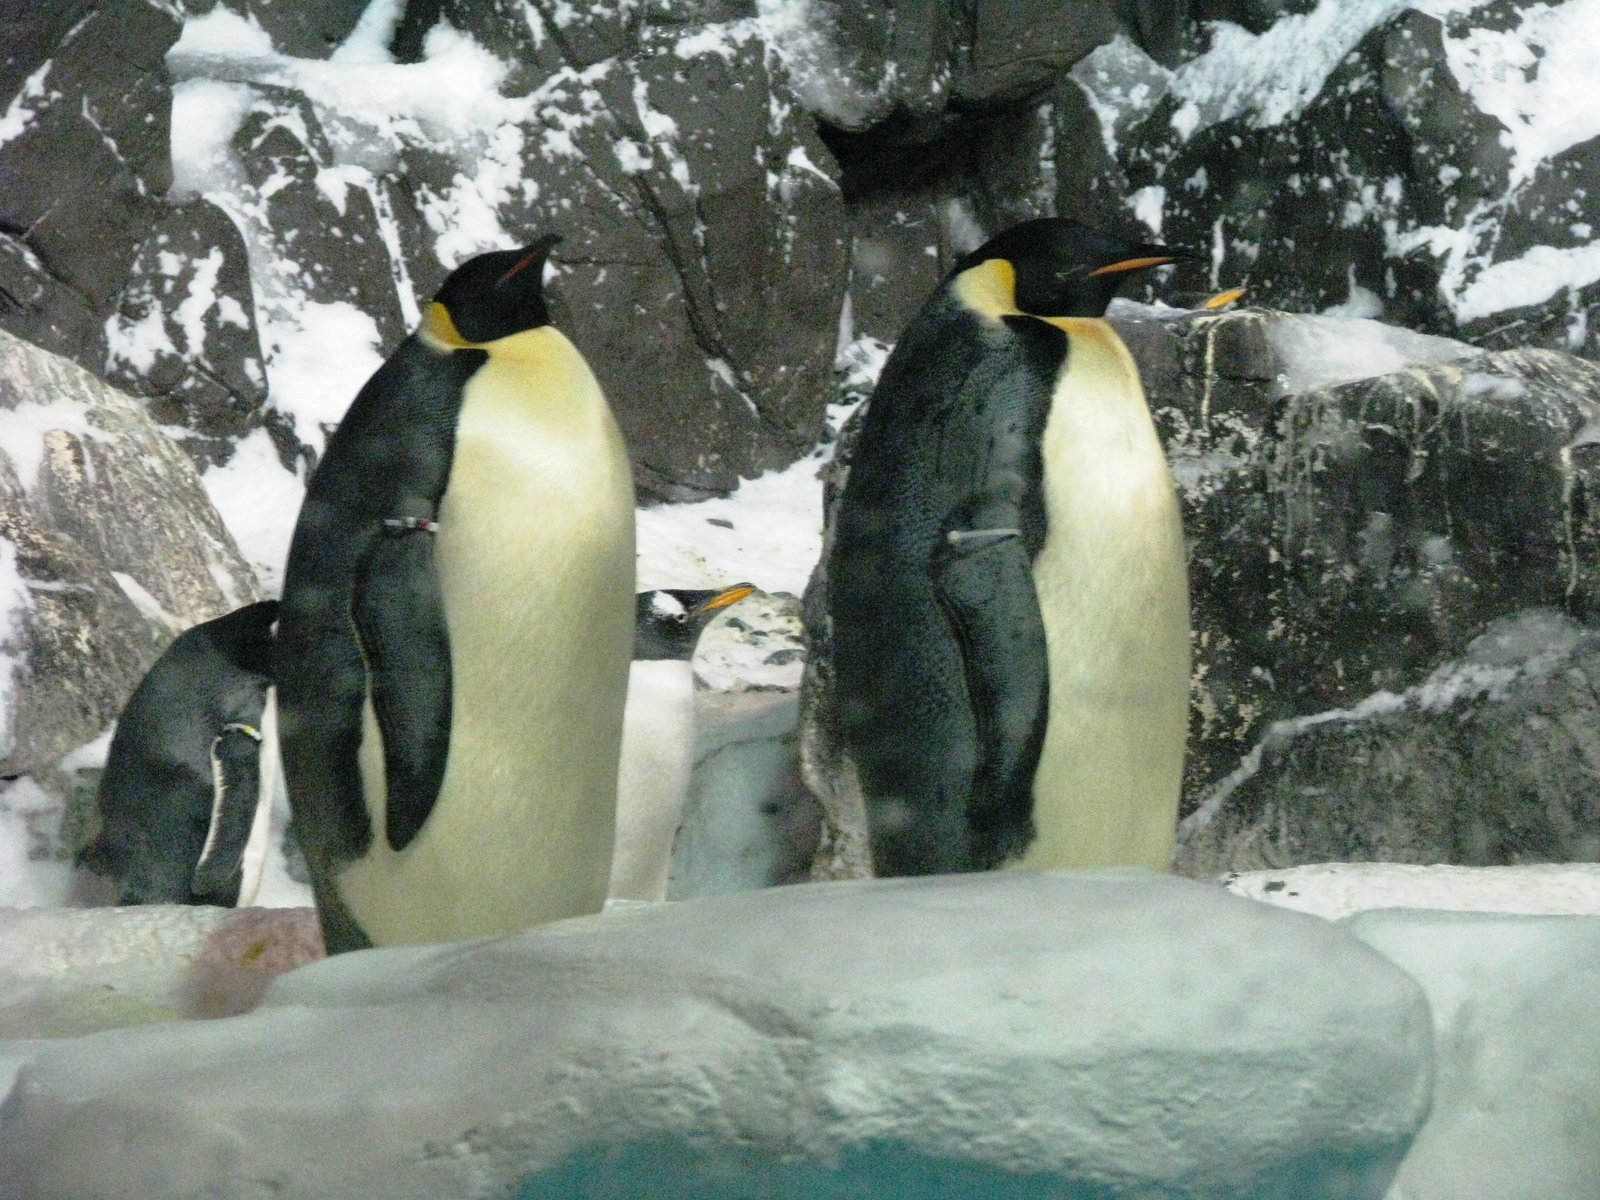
[(1008, 590), (455, 629), (658, 733), (187, 789)]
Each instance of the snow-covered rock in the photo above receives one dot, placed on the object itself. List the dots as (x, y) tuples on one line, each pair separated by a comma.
[(1516, 1109), (1361, 503), (1491, 759), (68, 972), (108, 549), (749, 820), (1426, 162), (1114, 1034), (1342, 889)]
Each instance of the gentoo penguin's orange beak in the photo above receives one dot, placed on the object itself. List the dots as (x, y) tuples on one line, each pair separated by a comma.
[(1222, 299), (727, 596)]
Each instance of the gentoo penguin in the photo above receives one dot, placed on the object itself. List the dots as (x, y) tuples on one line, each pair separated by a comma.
[(187, 787), (456, 621), (1007, 583), (658, 733)]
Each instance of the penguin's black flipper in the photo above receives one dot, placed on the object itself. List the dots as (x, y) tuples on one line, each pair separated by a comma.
[(236, 788), (982, 573), (985, 586), (399, 619)]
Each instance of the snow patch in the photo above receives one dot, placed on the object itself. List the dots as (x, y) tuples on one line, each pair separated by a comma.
[(14, 602), (20, 112), (1325, 351), (149, 607), (1536, 78), (23, 431), (258, 500)]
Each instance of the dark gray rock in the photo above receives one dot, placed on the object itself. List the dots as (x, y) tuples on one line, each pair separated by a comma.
[(116, 549), (1491, 760), (185, 334), (1349, 535), (83, 162), (38, 306)]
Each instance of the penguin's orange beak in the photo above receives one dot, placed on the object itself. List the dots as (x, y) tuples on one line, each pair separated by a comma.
[(1222, 299), (1134, 264), (727, 596)]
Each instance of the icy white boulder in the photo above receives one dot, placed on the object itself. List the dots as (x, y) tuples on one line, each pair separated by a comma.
[(1110, 1034), (65, 972), (1516, 1107)]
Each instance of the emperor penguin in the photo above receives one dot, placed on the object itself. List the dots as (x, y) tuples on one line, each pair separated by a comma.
[(453, 642), (189, 778), (658, 733), (1007, 580)]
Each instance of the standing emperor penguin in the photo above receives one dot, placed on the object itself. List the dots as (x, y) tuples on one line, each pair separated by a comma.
[(658, 733), (187, 789), (1008, 589), (455, 629)]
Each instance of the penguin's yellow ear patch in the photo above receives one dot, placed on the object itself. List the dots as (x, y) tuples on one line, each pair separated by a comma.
[(439, 329), (1132, 264), (988, 289)]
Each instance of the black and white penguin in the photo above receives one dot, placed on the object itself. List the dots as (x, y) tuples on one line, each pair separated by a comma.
[(454, 638), (658, 733), (188, 784), (1008, 590)]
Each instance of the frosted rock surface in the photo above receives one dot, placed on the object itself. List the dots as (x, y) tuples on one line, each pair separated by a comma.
[(1516, 1110), (1108, 1034)]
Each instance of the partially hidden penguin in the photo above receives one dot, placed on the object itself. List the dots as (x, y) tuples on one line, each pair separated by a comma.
[(1008, 586), (658, 731), (457, 615), (187, 789)]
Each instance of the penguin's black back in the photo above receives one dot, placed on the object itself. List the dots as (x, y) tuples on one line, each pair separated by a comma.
[(388, 459), (157, 789), (959, 399)]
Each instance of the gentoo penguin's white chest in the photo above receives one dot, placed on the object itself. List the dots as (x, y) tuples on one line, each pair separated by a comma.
[(1112, 585), (653, 778), (535, 561)]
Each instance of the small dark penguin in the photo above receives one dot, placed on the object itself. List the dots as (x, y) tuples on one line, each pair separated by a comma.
[(658, 733), (454, 638), (187, 786), (1008, 589)]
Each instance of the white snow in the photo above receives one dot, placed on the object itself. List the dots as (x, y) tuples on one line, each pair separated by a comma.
[(1336, 890), (30, 874), (1326, 351), (25, 428), (258, 500), (19, 114), (1271, 76), (318, 358), (14, 603), (1536, 77), (772, 536)]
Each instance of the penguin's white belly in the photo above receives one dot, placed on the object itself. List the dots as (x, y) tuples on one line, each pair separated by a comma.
[(1113, 592), (653, 780), (535, 560)]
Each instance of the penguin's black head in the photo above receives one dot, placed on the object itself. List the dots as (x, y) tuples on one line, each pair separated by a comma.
[(669, 621), (1063, 268), (493, 296), (244, 636)]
